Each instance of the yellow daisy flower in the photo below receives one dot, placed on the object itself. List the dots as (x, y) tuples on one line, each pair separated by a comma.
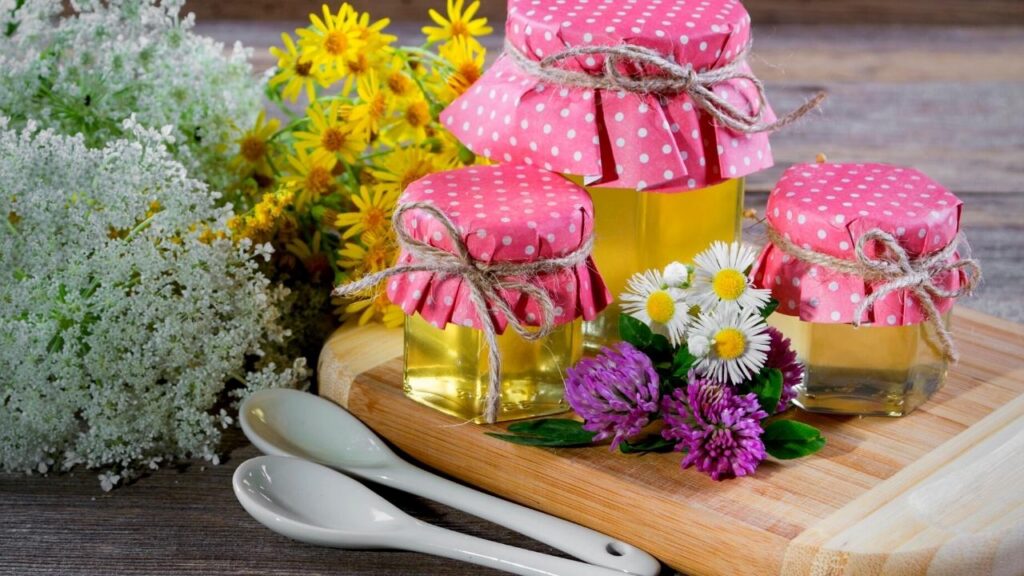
[(295, 72), (311, 176), (373, 212), (373, 106), (396, 170), (467, 63), (254, 145), (374, 252), (330, 135), (376, 307), (459, 24), (413, 120), (331, 40), (397, 81)]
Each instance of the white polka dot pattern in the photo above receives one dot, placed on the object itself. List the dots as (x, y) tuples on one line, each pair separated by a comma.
[(826, 208), (615, 139), (506, 213)]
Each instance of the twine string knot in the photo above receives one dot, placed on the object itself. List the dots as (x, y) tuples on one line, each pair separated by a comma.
[(671, 78), (486, 283), (892, 269)]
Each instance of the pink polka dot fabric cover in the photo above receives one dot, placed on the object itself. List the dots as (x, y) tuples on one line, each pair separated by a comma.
[(826, 208), (505, 214), (614, 139)]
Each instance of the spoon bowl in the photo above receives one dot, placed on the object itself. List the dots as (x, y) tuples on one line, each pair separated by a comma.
[(291, 423), (311, 503)]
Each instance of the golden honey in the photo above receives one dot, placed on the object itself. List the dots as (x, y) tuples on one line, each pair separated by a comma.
[(870, 370), (447, 369), (636, 231)]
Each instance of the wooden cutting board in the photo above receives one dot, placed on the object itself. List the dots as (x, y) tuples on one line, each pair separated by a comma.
[(939, 492)]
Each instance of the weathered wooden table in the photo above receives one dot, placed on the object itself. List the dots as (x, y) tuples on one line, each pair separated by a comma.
[(943, 100)]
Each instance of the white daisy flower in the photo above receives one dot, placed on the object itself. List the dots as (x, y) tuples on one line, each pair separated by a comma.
[(732, 344), (651, 300), (677, 275), (720, 278)]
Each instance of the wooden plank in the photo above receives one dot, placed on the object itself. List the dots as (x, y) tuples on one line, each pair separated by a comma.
[(875, 12), (886, 496)]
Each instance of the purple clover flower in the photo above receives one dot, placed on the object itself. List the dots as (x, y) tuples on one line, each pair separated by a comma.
[(719, 429), (615, 392), (782, 356)]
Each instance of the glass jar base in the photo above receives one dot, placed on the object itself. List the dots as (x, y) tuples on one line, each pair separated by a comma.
[(535, 401), (869, 393)]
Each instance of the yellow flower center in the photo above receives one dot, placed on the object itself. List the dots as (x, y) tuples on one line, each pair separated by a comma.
[(730, 344), (729, 284), (399, 84), (417, 114), (459, 28), (661, 307), (374, 218), (378, 106), (336, 42), (253, 148), (318, 180), (302, 68), (332, 139), (358, 65)]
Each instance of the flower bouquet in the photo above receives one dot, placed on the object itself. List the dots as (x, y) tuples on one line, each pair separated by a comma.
[(698, 371)]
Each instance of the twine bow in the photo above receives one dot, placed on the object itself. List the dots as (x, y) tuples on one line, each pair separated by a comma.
[(896, 270), (673, 78), (486, 283)]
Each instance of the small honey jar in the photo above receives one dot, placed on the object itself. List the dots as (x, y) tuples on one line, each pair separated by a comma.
[(864, 261), (498, 252)]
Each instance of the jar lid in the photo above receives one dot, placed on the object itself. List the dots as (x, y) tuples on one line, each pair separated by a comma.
[(504, 214), (826, 208), (615, 138)]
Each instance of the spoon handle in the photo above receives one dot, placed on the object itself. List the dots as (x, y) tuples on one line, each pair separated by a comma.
[(441, 542), (583, 543)]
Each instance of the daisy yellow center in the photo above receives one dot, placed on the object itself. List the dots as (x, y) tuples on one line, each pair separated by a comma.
[(378, 106), (358, 65), (730, 344), (469, 72), (253, 148), (375, 218), (459, 28), (318, 180), (302, 68), (661, 307), (729, 284), (333, 139), (399, 84), (336, 42), (418, 114)]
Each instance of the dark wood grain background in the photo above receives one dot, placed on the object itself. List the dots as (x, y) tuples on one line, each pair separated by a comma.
[(944, 99)]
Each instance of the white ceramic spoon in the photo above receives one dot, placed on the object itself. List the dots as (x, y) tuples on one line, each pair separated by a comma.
[(312, 503), (292, 423)]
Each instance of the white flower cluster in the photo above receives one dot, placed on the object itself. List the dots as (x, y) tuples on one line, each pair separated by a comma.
[(712, 307), (124, 309), (88, 71)]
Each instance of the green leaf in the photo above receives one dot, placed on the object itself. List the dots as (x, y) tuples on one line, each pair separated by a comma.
[(634, 331), (551, 432), (788, 439), (768, 387), (769, 308), (648, 444), (682, 362)]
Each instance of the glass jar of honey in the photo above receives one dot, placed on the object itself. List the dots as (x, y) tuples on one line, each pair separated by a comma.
[(525, 236), (863, 261), (617, 102)]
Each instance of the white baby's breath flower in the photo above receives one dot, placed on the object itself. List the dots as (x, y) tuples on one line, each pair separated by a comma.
[(732, 345), (663, 308), (720, 278), (120, 326)]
